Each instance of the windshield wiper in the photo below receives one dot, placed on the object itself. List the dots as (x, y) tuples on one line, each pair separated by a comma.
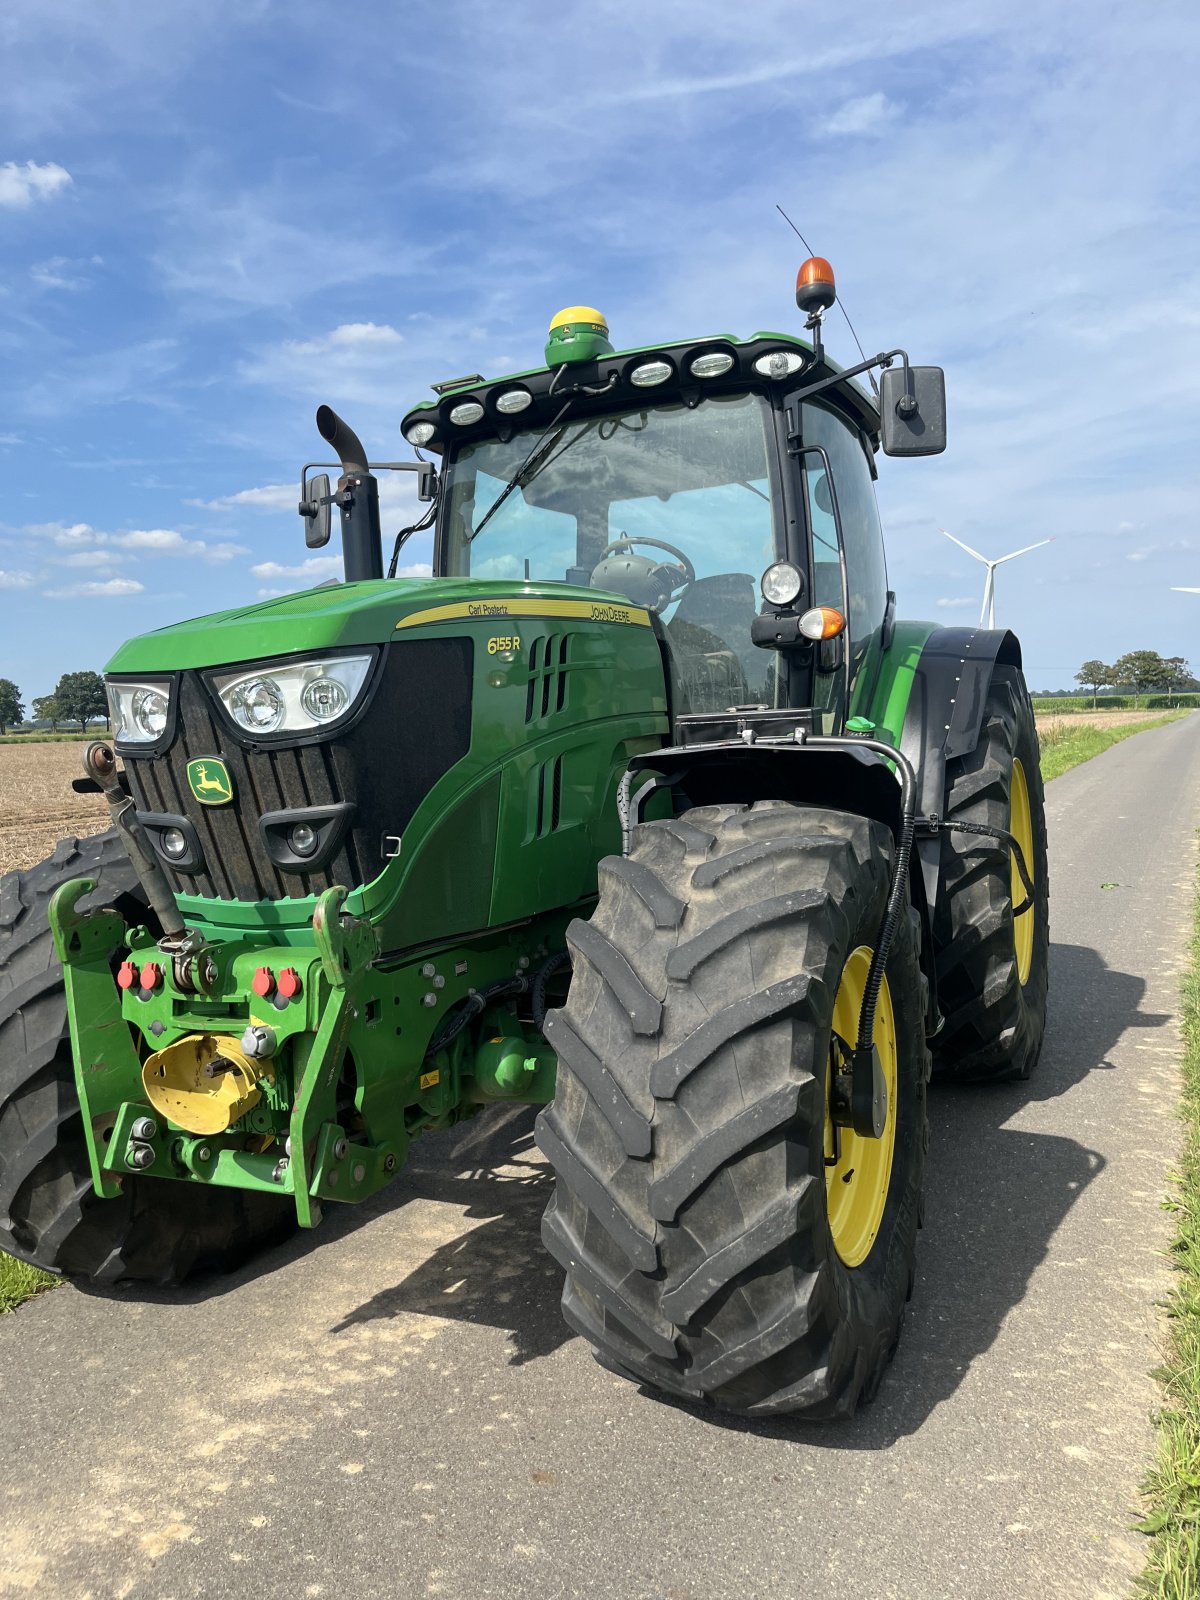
[(529, 468), (543, 451)]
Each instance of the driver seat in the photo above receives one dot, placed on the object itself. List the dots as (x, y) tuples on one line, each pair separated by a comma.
[(709, 641)]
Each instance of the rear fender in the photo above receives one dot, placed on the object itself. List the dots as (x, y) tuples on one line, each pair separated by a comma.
[(944, 719)]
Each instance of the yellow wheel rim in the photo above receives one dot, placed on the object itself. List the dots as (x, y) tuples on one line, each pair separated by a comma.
[(858, 1171), (1021, 827)]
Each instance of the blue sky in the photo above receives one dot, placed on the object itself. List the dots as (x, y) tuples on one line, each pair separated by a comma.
[(215, 216)]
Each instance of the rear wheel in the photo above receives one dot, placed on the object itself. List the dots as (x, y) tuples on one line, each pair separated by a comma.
[(721, 1240), (993, 957), (155, 1230)]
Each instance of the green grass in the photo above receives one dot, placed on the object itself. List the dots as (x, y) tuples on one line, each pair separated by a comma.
[(1172, 1488), (1066, 705), (1064, 748), (20, 1282), (52, 738)]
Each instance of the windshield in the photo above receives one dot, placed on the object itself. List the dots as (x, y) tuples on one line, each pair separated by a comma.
[(696, 479)]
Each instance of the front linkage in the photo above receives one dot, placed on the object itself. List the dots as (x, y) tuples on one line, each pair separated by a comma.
[(300, 1070)]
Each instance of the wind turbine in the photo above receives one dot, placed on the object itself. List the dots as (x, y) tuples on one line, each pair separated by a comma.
[(987, 611), (1176, 589)]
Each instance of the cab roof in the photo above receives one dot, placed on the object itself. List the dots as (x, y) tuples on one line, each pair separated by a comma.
[(601, 384)]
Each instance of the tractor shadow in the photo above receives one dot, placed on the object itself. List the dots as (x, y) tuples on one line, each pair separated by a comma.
[(495, 1272), (490, 1270)]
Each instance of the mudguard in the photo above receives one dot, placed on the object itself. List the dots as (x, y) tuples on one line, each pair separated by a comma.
[(944, 718)]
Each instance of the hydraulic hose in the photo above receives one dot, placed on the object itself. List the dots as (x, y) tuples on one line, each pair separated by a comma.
[(472, 1007), (538, 989)]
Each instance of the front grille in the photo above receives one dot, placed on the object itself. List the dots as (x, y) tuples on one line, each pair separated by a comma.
[(416, 727)]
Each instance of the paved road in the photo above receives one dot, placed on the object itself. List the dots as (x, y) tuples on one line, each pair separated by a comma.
[(395, 1410)]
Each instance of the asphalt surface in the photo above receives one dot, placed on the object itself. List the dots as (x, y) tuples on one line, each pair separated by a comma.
[(391, 1407)]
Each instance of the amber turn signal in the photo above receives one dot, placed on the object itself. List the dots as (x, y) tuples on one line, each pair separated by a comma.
[(822, 622)]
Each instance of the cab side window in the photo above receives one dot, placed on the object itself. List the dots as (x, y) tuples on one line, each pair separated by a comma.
[(866, 572)]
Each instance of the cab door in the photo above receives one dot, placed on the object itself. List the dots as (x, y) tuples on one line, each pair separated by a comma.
[(849, 570)]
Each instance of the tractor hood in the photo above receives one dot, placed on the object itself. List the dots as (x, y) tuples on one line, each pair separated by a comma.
[(357, 613)]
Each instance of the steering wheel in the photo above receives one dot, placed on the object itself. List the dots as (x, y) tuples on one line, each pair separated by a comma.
[(678, 578)]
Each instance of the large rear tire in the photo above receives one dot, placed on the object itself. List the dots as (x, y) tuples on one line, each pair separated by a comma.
[(156, 1230), (690, 1133), (992, 967)]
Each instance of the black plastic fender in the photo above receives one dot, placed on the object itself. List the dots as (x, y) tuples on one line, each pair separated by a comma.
[(944, 717)]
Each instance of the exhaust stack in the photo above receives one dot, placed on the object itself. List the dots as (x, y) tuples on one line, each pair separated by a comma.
[(358, 498)]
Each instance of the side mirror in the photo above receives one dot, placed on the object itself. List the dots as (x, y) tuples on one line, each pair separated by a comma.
[(426, 481), (316, 512), (912, 411)]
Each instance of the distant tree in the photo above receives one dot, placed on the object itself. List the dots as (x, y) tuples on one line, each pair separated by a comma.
[(81, 698), (1178, 674), (47, 709), (1094, 675), (11, 709), (1141, 670)]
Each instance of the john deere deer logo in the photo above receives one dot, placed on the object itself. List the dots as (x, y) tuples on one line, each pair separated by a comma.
[(209, 780)]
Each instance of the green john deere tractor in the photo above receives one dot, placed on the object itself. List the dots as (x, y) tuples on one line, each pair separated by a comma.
[(645, 809)]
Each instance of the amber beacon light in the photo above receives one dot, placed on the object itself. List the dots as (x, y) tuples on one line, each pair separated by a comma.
[(815, 286)]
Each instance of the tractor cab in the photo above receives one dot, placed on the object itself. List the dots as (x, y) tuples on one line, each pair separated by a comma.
[(725, 485)]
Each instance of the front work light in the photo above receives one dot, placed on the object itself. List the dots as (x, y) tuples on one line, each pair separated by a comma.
[(781, 584), (296, 697), (779, 364), (712, 364), (650, 374), (462, 416), (420, 433)]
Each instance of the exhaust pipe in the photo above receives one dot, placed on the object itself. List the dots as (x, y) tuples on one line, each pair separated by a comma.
[(358, 497)]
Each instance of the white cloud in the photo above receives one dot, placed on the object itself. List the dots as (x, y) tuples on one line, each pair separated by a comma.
[(92, 558), (271, 497), (77, 534), (102, 589), (315, 568), (15, 580), (23, 182), (960, 600), (420, 569), (100, 545), (1141, 555), (867, 114), (364, 333)]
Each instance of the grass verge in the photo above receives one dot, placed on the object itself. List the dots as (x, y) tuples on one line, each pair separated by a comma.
[(1064, 747), (1171, 1490), (19, 1282)]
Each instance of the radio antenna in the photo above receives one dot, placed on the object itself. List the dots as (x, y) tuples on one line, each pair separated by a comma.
[(841, 306)]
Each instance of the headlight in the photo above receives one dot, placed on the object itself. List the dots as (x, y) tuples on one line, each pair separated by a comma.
[(296, 697), (139, 710)]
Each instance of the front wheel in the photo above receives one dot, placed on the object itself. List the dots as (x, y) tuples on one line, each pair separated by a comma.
[(721, 1240)]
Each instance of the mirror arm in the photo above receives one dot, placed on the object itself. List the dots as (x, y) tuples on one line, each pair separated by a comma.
[(883, 359)]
